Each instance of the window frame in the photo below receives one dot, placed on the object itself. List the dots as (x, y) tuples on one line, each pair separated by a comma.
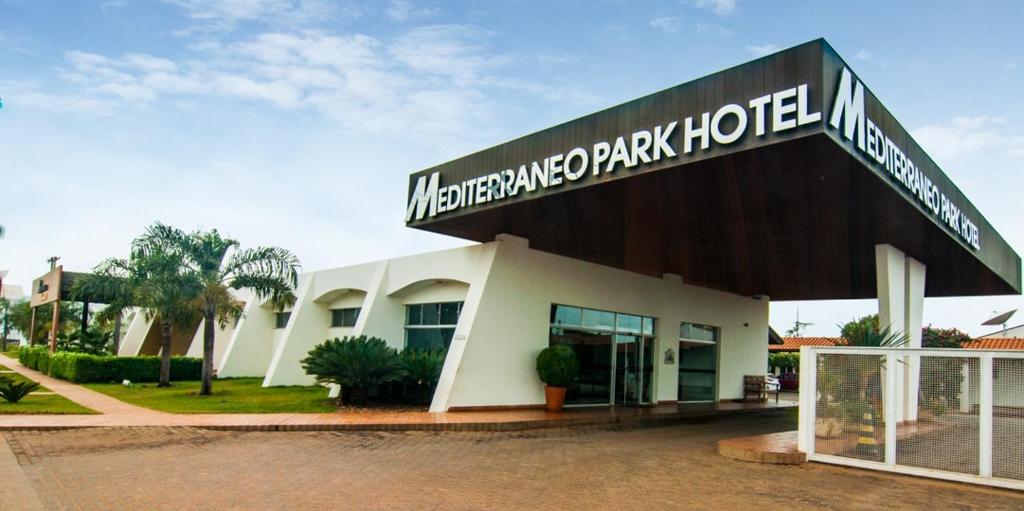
[(341, 312)]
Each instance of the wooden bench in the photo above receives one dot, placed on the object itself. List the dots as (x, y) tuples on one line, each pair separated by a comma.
[(758, 386)]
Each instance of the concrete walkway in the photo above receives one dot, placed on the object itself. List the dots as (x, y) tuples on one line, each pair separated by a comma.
[(115, 413), (91, 399)]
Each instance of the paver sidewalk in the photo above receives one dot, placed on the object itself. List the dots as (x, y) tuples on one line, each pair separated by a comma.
[(119, 414)]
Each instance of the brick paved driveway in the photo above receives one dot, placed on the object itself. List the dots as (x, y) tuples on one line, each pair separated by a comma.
[(668, 467)]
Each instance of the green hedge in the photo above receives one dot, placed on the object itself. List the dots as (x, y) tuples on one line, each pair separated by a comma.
[(84, 368), (784, 360), (35, 357)]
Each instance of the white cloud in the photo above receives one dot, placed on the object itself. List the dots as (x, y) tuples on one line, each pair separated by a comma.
[(667, 24), (431, 82), (963, 139), (864, 55), (763, 49), (452, 50), (222, 15), (1010, 66), (719, 7), (404, 10)]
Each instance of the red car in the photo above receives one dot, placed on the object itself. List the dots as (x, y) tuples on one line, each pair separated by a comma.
[(790, 381)]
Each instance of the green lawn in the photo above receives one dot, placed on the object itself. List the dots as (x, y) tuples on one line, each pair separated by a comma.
[(11, 354), (234, 395), (47, 404), (36, 404)]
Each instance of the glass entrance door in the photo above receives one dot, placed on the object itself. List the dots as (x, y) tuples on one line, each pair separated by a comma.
[(634, 368), (594, 351)]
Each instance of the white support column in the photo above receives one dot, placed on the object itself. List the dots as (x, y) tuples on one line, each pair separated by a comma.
[(914, 296), (890, 275), (900, 280)]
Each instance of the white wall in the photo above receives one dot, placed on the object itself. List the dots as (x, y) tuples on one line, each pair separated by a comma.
[(512, 318), (508, 290)]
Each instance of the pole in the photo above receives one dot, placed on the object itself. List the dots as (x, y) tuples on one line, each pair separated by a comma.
[(32, 329), (54, 326), (85, 318)]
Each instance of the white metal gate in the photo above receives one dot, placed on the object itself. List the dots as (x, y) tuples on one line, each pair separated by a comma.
[(946, 413)]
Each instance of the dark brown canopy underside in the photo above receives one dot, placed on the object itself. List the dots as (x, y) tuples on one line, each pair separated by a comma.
[(797, 220)]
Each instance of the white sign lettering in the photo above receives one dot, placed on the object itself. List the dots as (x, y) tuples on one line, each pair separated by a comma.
[(850, 118), (782, 111)]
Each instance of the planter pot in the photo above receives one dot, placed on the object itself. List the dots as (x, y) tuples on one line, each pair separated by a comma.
[(554, 398), (828, 427)]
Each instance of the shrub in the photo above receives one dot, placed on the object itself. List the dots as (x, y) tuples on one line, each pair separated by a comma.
[(422, 371), (43, 362), (85, 368), (784, 360), (557, 365), (31, 356), (13, 390), (354, 363)]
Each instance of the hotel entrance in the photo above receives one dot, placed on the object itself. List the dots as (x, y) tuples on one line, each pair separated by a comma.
[(616, 354)]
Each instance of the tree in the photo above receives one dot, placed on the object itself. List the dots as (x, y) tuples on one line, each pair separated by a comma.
[(943, 337), (797, 327), (859, 328), (154, 280), (21, 319), (271, 273)]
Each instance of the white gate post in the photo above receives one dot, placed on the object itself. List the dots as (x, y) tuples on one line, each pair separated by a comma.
[(890, 399), (808, 398), (985, 416)]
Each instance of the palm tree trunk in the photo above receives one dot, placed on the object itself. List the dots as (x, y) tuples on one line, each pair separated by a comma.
[(208, 333), (117, 334), (165, 354)]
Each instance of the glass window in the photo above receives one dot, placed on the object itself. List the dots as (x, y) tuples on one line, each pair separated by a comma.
[(344, 317), (431, 326), (450, 313), (428, 339), (281, 319), (695, 332), (599, 320), (431, 313), (413, 314), (649, 326), (628, 323), (565, 315)]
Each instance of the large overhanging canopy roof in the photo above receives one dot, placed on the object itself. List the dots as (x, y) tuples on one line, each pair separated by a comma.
[(777, 177)]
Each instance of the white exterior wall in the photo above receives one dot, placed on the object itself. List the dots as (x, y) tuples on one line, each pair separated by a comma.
[(507, 289), (134, 335)]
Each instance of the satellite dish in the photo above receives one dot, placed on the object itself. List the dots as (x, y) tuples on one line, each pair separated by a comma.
[(999, 319)]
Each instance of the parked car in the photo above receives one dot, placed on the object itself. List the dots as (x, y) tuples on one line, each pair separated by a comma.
[(790, 381)]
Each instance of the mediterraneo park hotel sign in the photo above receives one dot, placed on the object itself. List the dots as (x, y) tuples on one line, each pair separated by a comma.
[(763, 116)]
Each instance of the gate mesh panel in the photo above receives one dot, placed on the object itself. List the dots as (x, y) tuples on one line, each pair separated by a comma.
[(945, 435), (848, 411), (1008, 418)]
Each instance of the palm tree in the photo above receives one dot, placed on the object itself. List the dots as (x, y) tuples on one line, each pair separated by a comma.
[(271, 273), (154, 281)]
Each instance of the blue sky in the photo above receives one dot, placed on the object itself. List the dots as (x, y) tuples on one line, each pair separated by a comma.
[(296, 123)]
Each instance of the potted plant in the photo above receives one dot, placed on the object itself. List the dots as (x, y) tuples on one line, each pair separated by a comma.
[(557, 367)]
